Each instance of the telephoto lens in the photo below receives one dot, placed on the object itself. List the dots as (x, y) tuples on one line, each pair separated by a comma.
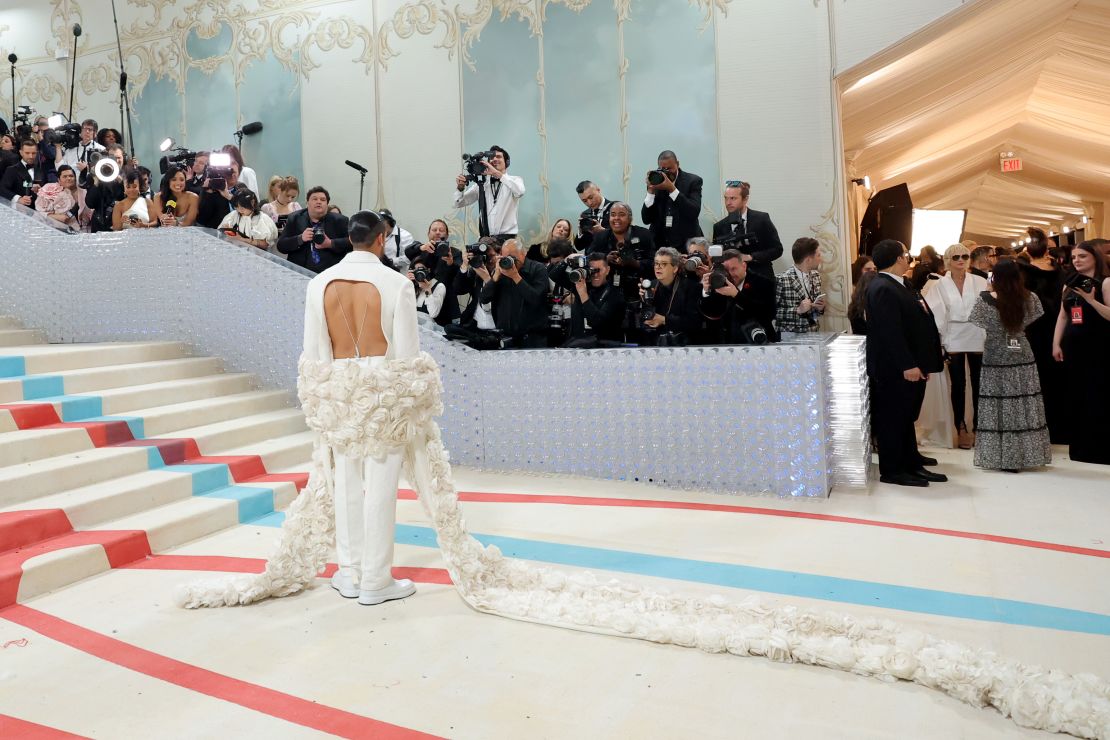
[(693, 263), (421, 275), (442, 248), (656, 177)]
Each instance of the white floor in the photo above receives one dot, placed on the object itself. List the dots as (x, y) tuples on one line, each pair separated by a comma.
[(430, 664)]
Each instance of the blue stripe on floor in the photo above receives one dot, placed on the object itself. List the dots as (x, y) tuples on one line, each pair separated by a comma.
[(12, 366), (42, 386), (253, 502), (789, 583)]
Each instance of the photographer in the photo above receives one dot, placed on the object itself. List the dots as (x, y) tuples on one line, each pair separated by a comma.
[(798, 293), (437, 253), (517, 292), (197, 174), (218, 197), (628, 249), (559, 288), (431, 294), (750, 232), (77, 156), (314, 238), (22, 181), (597, 308), (474, 272), (672, 300), (500, 190), (397, 241), (101, 196), (595, 218), (739, 305), (673, 203)]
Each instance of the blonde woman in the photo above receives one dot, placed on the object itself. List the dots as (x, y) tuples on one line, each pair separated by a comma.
[(951, 299)]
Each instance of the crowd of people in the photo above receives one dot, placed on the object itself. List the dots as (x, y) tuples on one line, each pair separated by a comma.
[(1029, 331)]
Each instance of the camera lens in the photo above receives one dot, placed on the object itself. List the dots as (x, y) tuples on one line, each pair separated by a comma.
[(506, 263), (717, 280), (318, 236), (656, 177)]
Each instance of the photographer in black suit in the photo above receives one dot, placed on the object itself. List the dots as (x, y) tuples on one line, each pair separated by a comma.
[(517, 293), (750, 232), (595, 218), (629, 250), (903, 348), (673, 203), (596, 306), (741, 310), (315, 238)]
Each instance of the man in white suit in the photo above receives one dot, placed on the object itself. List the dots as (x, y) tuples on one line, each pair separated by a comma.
[(361, 311)]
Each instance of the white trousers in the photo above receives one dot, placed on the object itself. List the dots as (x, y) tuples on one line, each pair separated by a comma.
[(366, 515)]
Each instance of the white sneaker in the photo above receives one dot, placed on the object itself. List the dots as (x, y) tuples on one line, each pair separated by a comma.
[(344, 585), (399, 590)]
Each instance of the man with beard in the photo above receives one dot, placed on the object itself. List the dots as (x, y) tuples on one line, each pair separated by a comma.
[(1043, 278)]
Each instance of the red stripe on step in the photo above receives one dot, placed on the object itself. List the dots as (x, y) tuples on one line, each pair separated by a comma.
[(300, 480), (31, 415), (22, 528), (102, 433), (120, 546), (173, 451), (226, 564), (241, 467), (529, 498), (14, 727), (252, 696)]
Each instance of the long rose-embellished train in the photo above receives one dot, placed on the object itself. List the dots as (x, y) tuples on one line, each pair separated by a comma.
[(366, 411)]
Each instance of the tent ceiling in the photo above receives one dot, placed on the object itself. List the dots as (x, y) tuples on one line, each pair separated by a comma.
[(1027, 76)]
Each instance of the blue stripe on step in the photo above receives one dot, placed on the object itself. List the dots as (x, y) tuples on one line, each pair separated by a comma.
[(42, 386), (12, 366), (253, 502), (206, 476), (76, 408), (826, 588)]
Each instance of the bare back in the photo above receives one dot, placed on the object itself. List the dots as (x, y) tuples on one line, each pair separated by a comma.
[(353, 311)]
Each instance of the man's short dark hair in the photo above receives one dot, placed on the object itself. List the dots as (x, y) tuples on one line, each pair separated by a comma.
[(446, 228), (805, 246), (559, 248), (981, 253), (597, 257), (731, 254), (886, 253), (504, 153), (90, 122), (28, 142), (364, 227), (582, 186), (666, 154), (319, 189)]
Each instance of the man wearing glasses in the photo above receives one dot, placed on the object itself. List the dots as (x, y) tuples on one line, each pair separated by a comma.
[(752, 232), (982, 261)]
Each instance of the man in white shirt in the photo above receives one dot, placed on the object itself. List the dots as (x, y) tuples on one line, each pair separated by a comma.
[(502, 194), (77, 157)]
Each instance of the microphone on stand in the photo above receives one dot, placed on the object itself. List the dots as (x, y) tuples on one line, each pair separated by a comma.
[(356, 166), (248, 130), (76, 29), (361, 178), (73, 71)]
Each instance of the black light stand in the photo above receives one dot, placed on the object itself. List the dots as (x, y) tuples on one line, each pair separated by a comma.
[(361, 178), (73, 73), (124, 103), (12, 59)]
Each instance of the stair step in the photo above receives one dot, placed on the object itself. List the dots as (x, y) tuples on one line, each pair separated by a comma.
[(20, 337), (92, 380), (38, 444), (53, 358), (20, 484), (292, 452), (177, 523), (67, 559), (244, 434), (170, 392), (165, 420), (10, 322)]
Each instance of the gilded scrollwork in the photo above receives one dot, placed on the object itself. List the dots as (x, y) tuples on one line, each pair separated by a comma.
[(98, 78), (834, 277), (422, 17), (63, 15)]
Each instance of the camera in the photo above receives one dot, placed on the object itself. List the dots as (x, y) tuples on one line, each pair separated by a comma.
[(475, 165), (506, 263), (318, 235), (219, 167), (647, 312), (585, 224), (753, 332), (1079, 282), (421, 274), (479, 254), (442, 248), (694, 263), (68, 135), (180, 156), (656, 177), (24, 114), (577, 268), (739, 240)]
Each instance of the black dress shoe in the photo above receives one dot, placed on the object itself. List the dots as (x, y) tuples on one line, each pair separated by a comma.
[(926, 461), (930, 476), (904, 479)]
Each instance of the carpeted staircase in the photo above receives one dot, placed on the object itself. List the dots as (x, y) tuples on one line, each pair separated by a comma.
[(111, 452)]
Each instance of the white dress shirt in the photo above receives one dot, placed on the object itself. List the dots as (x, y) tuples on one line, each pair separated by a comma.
[(502, 209), (80, 153), (952, 309)]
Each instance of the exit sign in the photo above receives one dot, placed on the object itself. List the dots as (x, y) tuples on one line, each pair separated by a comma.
[(1011, 165)]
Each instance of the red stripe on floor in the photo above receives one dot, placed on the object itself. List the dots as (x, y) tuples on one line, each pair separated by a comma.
[(530, 498), (226, 564), (29, 415), (252, 696), (14, 727)]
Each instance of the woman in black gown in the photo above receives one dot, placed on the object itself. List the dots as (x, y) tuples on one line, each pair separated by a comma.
[(1082, 344), (1044, 279)]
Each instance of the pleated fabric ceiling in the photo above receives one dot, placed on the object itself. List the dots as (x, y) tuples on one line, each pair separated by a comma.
[(1030, 77)]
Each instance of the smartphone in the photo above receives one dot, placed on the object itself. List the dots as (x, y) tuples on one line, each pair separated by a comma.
[(820, 297)]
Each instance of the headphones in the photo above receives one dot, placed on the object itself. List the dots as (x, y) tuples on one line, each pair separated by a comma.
[(362, 225)]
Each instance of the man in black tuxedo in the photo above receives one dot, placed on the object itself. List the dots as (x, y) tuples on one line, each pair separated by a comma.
[(673, 204), (903, 348), (742, 225), (22, 180), (596, 216)]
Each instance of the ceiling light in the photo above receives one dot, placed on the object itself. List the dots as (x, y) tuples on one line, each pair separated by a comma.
[(1065, 230), (1028, 240), (1084, 219)]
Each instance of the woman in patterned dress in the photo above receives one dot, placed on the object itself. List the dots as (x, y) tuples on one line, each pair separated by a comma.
[(1012, 431)]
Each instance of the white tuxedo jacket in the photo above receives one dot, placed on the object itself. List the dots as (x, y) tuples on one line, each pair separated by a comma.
[(398, 307)]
